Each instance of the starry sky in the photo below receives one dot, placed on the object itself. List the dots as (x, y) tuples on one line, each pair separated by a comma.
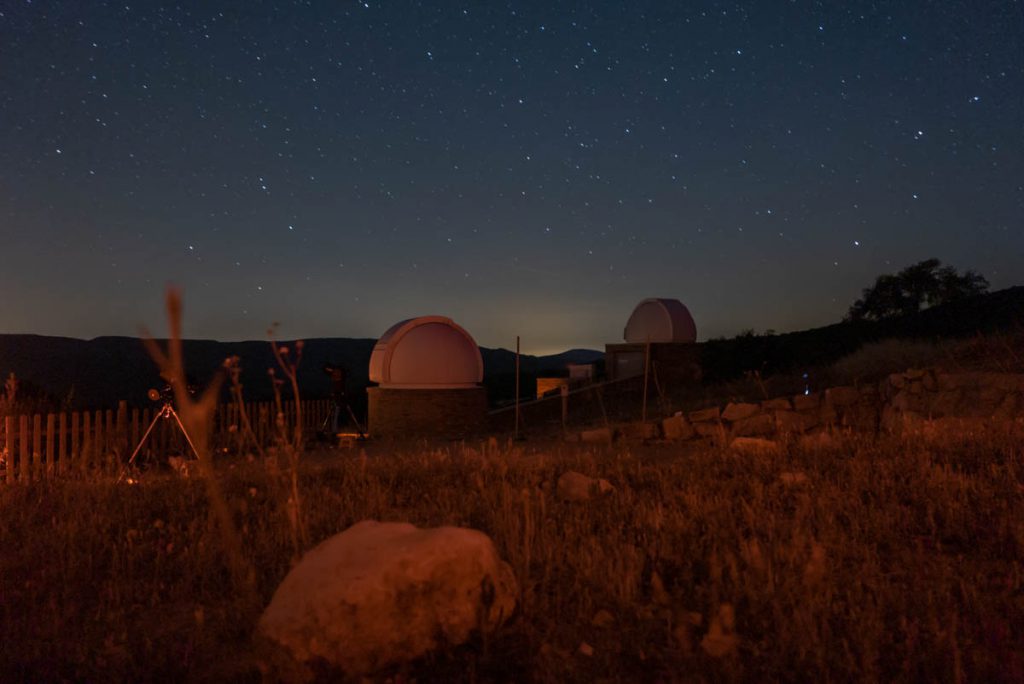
[(530, 168)]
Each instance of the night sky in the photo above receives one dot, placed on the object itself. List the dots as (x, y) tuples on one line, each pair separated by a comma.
[(531, 168)]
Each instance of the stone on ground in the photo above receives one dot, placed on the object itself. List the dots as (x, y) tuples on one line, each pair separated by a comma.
[(753, 445), (573, 486), (379, 594)]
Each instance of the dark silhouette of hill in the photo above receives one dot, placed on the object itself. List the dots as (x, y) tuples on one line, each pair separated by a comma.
[(985, 313), (97, 373), (100, 372)]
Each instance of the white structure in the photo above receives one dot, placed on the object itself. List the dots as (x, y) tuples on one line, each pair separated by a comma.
[(660, 321), (428, 371), (429, 352)]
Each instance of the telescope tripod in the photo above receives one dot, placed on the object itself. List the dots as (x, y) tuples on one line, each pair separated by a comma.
[(166, 413), (333, 413)]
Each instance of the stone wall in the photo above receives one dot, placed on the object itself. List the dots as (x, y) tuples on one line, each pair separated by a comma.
[(439, 413), (913, 399)]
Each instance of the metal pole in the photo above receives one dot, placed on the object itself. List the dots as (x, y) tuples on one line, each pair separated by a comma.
[(647, 367), (517, 388)]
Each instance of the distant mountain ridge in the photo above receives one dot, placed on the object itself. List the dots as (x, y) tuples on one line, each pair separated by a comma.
[(104, 370), (99, 372)]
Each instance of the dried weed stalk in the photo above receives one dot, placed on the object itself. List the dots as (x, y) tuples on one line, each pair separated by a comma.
[(197, 415), (289, 439)]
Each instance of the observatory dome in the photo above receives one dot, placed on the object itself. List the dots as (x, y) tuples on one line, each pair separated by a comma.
[(660, 320), (429, 352)]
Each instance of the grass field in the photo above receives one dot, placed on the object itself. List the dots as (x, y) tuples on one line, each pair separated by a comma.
[(893, 560)]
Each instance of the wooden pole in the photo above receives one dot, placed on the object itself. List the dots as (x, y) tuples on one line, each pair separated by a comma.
[(565, 406), (517, 388), (122, 429), (24, 471), (76, 434), (86, 460), (51, 421), (37, 446), (647, 369), (62, 429), (9, 445)]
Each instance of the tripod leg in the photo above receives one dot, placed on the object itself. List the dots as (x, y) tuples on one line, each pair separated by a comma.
[(355, 421), (185, 432), (139, 447)]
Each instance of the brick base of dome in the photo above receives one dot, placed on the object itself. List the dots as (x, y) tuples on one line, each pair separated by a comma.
[(438, 413)]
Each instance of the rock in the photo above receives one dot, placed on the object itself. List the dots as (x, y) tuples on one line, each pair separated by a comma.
[(739, 411), (753, 445), (658, 592), (816, 440), (789, 422), (713, 430), (914, 374), (862, 417), (573, 486), (638, 431), (586, 649), (897, 380), (677, 427), (601, 435), (1011, 407), (705, 415), (757, 425), (778, 404), (793, 479), (946, 403), (1003, 381), (827, 414), (603, 618), (806, 402), (1012, 382), (721, 639), (379, 594), (842, 396), (908, 401)]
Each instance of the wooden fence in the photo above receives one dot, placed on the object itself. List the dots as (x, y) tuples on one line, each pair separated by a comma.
[(35, 447)]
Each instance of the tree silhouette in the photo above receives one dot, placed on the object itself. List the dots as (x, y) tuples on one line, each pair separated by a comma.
[(926, 283)]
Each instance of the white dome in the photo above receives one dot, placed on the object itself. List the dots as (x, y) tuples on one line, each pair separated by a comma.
[(660, 320), (429, 352)]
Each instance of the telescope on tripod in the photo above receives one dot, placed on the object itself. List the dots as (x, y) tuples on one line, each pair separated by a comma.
[(167, 412)]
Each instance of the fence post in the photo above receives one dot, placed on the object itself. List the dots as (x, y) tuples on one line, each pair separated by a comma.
[(24, 471), (109, 441), (50, 456), (134, 431), (76, 441), (9, 439), (122, 431), (98, 437), (37, 446), (62, 440), (87, 441)]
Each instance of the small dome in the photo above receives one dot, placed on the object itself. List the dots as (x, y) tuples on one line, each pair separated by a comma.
[(429, 352), (660, 320)]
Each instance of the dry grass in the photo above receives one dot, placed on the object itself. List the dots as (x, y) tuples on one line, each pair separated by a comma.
[(895, 561)]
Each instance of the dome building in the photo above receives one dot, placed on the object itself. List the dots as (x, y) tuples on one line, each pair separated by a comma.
[(660, 321), (428, 372), (664, 329)]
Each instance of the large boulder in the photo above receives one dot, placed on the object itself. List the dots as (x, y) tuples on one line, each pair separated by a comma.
[(379, 594)]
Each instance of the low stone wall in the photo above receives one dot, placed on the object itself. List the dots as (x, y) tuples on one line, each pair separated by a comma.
[(914, 399), (437, 413)]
